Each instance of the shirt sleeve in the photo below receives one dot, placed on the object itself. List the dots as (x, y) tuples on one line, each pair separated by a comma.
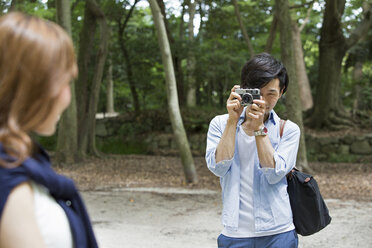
[(213, 139), (285, 155)]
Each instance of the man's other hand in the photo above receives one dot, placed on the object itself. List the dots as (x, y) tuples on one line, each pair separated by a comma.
[(234, 108)]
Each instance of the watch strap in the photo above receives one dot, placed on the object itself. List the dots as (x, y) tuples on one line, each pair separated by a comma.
[(261, 132)]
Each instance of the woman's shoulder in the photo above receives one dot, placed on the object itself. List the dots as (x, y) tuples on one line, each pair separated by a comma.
[(18, 223), (12, 181)]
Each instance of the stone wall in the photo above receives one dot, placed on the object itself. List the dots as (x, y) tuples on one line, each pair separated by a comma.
[(343, 148)]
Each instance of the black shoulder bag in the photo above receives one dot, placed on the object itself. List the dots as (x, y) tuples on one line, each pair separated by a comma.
[(310, 213)]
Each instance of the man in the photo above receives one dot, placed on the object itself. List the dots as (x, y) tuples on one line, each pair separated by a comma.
[(245, 149)]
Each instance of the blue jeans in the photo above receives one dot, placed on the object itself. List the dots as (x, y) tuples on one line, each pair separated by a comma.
[(282, 240)]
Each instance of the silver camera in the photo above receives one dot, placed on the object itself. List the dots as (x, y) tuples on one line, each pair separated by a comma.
[(248, 95)]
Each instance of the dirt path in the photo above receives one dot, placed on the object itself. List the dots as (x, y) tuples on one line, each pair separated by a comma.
[(184, 218)]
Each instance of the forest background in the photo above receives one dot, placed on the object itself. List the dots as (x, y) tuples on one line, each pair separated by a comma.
[(142, 76)]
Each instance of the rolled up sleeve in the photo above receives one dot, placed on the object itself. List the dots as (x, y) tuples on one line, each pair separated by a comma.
[(285, 155), (213, 138)]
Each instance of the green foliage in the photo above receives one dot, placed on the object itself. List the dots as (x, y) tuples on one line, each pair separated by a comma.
[(48, 142), (342, 158), (220, 52)]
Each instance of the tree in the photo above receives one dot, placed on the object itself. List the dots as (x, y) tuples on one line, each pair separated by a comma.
[(244, 31), (293, 103), (88, 93), (122, 24), (176, 49), (328, 110), (302, 78), (173, 106), (110, 90), (67, 129), (191, 93)]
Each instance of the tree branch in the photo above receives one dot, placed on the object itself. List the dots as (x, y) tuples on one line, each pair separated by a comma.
[(129, 14), (307, 18), (272, 34), (244, 31), (161, 5), (73, 6), (362, 28), (94, 9), (301, 5)]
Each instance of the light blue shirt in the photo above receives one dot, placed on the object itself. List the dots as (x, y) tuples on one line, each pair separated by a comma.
[(272, 211)]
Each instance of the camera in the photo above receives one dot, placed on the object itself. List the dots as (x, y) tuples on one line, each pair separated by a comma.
[(248, 95)]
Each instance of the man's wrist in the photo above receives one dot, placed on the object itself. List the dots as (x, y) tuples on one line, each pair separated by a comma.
[(260, 127), (232, 121)]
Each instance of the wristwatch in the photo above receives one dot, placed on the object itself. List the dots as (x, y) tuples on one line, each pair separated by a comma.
[(261, 132)]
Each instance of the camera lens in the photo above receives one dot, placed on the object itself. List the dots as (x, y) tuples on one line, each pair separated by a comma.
[(247, 99)]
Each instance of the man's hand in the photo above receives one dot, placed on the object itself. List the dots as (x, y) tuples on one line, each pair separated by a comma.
[(234, 108), (256, 114)]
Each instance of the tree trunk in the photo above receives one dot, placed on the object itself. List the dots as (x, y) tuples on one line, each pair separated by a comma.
[(242, 28), (67, 128), (177, 51), (13, 6), (357, 77), (302, 79), (293, 103), (96, 83), (178, 60), (191, 93), (272, 34), (128, 64), (110, 90), (173, 107), (83, 90), (129, 70), (88, 93), (328, 109)]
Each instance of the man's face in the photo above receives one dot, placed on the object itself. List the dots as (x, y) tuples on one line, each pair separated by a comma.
[(271, 94)]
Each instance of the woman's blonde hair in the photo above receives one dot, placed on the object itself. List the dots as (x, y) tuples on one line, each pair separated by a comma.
[(36, 60)]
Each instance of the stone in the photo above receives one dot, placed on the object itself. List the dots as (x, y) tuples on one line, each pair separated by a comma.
[(328, 140), (101, 129), (163, 141), (348, 140), (344, 149), (330, 148), (194, 142), (361, 147)]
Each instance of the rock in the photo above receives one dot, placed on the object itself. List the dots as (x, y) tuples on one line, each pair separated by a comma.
[(348, 139), (163, 142), (328, 140), (194, 142), (330, 148), (361, 147), (344, 149), (101, 129)]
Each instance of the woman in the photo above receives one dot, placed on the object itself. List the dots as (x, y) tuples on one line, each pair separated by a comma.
[(38, 208)]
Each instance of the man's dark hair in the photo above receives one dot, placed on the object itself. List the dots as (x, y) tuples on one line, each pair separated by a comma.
[(261, 69)]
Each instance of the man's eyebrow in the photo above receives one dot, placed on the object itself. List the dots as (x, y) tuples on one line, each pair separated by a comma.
[(273, 90)]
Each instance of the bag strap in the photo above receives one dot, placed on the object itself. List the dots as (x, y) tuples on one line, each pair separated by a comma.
[(282, 124)]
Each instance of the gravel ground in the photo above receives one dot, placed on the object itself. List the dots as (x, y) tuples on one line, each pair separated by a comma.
[(143, 201), (336, 181), (169, 218)]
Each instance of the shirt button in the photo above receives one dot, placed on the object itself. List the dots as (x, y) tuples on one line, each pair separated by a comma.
[(68, 203)]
